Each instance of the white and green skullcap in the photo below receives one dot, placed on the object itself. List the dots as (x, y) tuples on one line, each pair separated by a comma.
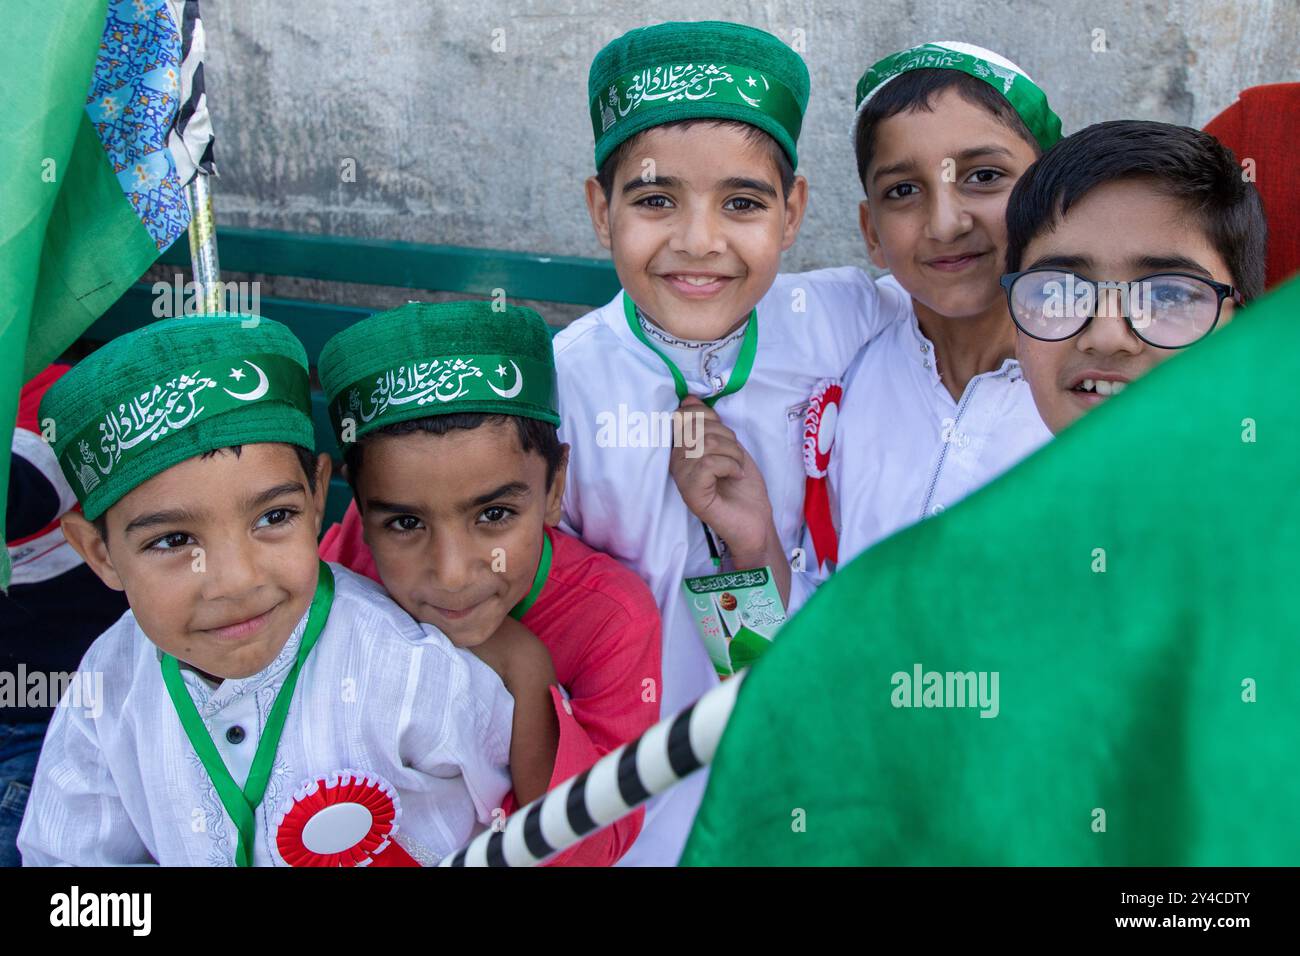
[(703, 69), (424, 359), (1025, 96), (172, 390)]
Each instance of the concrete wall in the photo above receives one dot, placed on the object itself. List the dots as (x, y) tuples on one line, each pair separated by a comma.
[(468, 121)]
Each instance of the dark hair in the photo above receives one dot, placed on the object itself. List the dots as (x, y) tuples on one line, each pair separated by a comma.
[(914, 90), (605, 176), (534, 436), (1185, 164), (306, 458)]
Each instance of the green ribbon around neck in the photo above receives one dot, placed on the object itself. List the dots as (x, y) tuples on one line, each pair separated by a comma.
[(739, 375), (241, 805), (539, 580)]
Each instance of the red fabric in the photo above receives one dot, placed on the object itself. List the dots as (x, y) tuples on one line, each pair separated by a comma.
[(29, 419), (817, 515), (29, 399), (1262, 125), (600, 623)]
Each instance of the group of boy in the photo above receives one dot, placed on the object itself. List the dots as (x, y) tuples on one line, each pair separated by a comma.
[(503, 602)]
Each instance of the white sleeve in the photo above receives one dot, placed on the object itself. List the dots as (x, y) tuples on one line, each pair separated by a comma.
[(483, 740), (75, 815), (872, 309), (851, 307)]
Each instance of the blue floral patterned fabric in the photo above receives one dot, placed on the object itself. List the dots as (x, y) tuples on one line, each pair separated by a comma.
[(133, 101)]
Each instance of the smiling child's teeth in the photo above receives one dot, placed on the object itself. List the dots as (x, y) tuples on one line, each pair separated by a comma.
[(696, 280), (1086, 385), (1103, 387), (1117, 387)]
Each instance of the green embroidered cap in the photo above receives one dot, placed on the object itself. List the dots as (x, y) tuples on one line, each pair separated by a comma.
[(1024, 95), (704, 70), (169, 391), (424, 359)]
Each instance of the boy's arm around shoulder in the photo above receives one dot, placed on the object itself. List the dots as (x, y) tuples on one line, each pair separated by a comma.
[(614, 699), (525, 667), (852, 306)]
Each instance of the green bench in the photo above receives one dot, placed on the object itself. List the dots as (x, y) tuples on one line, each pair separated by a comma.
[(477, 272)]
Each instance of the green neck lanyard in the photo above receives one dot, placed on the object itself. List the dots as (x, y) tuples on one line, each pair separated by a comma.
[(539, 580), (735, 382), (242, 805), (739, 375)]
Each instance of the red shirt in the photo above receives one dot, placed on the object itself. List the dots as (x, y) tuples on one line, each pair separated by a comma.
[(600, 623)]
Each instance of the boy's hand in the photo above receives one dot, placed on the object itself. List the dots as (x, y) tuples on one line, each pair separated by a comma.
[(723, 487), (718, 480)]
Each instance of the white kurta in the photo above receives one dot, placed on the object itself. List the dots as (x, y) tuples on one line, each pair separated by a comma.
[(379, 693), (904, 450), (620, 498)]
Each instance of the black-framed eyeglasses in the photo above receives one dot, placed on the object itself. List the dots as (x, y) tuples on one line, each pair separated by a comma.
[(1169, 310)]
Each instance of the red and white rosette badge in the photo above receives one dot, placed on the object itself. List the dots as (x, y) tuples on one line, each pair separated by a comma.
[(347, 818), (818, 439)]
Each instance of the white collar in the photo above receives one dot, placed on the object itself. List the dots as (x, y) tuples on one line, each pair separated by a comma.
[(922, 353), (210, 700), (706, 363)]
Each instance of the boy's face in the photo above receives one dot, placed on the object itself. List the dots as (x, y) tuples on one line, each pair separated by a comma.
[(1120, 231), (455, 523), (217, 555), (696, 223), (937, 189)]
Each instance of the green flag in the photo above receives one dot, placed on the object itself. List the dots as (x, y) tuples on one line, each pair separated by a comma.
[(94, 99), (1121, 619)]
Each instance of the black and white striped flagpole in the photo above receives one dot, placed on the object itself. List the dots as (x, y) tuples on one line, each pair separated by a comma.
[(621, 781)]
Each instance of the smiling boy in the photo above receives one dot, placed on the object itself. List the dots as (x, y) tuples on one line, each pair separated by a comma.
[(446, 417), (247, 672), (1162, 215), (696, 197), (936, 405)]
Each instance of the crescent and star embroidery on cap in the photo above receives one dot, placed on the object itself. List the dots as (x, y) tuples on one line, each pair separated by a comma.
[(238, 374), (753, 83), (509, 392)]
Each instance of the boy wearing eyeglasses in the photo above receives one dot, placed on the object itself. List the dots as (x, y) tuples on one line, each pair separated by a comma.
[(1127, 242)]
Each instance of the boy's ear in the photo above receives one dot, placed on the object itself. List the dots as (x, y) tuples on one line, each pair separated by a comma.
[(555, 494), (598, 209), (324, 469), (870, 236), (85, 540), (796, 204), (346, 474)]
